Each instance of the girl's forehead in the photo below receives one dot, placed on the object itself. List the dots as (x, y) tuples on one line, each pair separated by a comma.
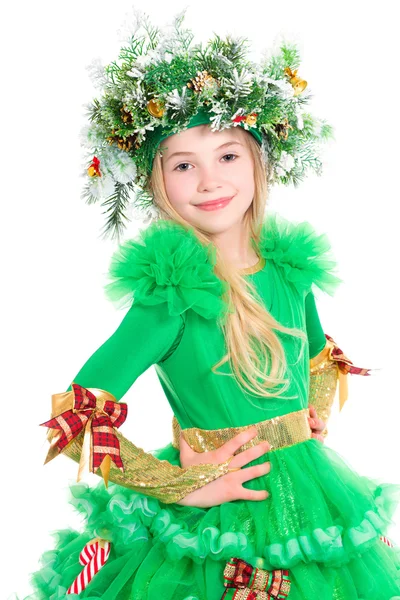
[(186, 140)]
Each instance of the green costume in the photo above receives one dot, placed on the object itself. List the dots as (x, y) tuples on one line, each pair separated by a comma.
[(322, 521)]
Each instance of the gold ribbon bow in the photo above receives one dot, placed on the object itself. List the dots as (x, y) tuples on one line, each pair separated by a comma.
[(94, 412)]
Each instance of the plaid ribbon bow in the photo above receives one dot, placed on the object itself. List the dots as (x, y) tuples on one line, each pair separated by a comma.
[(345, 366), (245, 582), (97, 413)]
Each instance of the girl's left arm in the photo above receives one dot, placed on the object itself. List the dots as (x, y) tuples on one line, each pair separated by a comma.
[(329, 366), (324, 371)]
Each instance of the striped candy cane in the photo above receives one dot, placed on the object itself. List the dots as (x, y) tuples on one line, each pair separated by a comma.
[(386, 541), (93, 557)]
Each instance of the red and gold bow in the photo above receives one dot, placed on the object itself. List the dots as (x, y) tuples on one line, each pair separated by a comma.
[(345, 366), (250, 119), (246, 582), (95, 411), (94, 168)]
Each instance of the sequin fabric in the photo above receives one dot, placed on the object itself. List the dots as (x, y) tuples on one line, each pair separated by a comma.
[(324, 373), (280, 432)]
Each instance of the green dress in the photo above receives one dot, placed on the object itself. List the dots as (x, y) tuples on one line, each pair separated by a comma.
[(322, 521)]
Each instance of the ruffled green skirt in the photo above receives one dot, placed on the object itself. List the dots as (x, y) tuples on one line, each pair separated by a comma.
[(322, 522)]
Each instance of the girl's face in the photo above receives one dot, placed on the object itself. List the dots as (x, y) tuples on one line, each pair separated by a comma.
[(210, 165)]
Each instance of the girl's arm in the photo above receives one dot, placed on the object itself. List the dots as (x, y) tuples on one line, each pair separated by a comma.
[(329, 366), (145, 335), (324, 372)]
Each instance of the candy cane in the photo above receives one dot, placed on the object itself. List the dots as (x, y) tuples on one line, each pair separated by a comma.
[(93, 556), (385, 540)]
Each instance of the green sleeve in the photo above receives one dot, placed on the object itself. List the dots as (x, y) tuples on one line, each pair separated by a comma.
[(315, 333), (144, 336)]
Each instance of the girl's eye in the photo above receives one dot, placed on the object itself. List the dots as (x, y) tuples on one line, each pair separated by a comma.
[(182, 171)]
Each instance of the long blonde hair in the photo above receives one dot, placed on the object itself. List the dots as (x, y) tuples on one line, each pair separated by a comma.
[(256, 355)]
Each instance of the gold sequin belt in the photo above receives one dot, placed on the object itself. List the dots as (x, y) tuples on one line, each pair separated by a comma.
[(280, 432)]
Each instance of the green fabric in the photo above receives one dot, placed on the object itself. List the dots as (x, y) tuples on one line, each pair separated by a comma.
[(322, 520), (143, 337), (202, 117), (315, 333)]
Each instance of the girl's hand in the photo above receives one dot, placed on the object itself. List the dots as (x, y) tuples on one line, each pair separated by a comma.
[(228, 487), (317, 425)]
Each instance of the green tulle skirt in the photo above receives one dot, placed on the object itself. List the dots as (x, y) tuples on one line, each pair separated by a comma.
[(322, 522)]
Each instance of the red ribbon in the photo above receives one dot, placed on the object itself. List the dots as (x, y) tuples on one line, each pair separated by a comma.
[(100, 417), (96, 164), (345, 365), (254, 582), (240, 118)]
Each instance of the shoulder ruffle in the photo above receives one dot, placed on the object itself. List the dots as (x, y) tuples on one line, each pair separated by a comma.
[(166, 263), (305, 256)]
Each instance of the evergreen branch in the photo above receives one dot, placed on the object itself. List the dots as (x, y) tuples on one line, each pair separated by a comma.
[(130, 53), (152, 33), (115, 212), (94, 113), (87, 195), (327, 131), (290, 55), (184, 36)]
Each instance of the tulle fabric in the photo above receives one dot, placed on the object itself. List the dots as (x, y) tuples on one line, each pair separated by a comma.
[(166, 263), (305, 256), (322, 522)]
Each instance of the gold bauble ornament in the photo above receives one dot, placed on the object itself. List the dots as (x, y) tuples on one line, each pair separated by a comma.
[(155, 108), (94, 168), (251, 120), (92, 171), (298, 84)]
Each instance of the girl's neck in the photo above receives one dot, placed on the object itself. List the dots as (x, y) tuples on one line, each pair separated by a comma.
[(235, 247)]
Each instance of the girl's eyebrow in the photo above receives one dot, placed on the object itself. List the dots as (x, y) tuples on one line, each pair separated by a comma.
[(192, 153)]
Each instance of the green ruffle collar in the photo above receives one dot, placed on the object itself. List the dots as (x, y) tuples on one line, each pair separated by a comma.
[(166, 263), (305, 256)]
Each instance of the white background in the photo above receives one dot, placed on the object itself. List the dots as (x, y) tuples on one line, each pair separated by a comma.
[(53, 262)]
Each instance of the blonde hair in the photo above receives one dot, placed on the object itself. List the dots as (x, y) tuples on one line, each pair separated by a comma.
[(256, 355)]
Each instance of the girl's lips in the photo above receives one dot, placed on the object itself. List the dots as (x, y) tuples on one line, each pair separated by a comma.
[(214, 205)]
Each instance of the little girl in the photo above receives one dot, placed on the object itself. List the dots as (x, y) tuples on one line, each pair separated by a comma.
[(246, 502)]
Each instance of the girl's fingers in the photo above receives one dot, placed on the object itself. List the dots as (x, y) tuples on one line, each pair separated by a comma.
[(319, 425), (316, 423), (247, 494), (246, 456), (253, 472), (231, 446)]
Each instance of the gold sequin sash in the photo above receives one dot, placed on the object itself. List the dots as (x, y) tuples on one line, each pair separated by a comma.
[(280, 432)]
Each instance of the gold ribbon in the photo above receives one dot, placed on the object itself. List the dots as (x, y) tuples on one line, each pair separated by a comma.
[(65, 401)]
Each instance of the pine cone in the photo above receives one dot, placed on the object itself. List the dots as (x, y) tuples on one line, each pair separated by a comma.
[(123, 143), (126, 115), (282, 129), (200, 81)]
